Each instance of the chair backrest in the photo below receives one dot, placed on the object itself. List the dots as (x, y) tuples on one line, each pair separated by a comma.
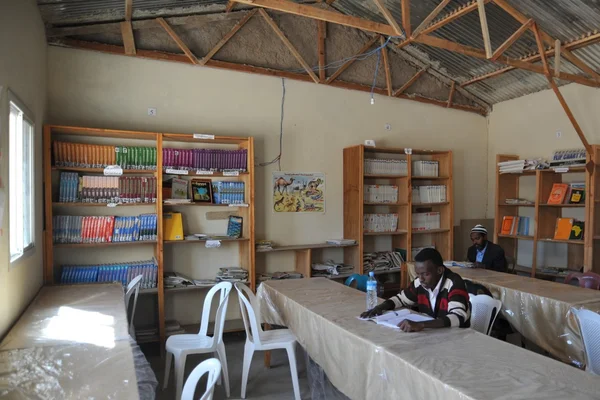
[(224, 288), (484, 310), (132, 289), (250, 312), (357, 281), (589, 324), (212, 366), (587, 280)]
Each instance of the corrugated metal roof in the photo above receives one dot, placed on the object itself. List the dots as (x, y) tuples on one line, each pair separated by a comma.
[(561, 19)]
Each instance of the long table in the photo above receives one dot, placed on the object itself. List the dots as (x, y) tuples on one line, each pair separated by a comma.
[(367, 361), (72, 342), (540, 310)]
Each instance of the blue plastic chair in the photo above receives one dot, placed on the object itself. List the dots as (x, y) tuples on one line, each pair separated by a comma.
[(357, 281)]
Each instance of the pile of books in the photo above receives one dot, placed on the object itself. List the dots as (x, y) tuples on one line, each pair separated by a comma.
[(382, 261), (228, 192), (106, 189), (232, 274), (516, 226), (425, 168), (75, 229), (330, 268), (178, 280), (265, 276), (115, 272), (381, 194), (205, 159), (380, 222), (385, 167), (564, 193), (569, 229), (95, 156), (429, 194), (425, 221), (517, 166), (518, 201), (264, 245)]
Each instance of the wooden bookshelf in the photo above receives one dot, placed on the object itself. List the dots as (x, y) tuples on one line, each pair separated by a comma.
[(245, 246), (543, 216), (355, 207)]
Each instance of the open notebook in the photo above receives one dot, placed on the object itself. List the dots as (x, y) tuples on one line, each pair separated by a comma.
[(391, 319)]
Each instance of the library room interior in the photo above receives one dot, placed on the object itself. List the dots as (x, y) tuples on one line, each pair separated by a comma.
[(299, 199)]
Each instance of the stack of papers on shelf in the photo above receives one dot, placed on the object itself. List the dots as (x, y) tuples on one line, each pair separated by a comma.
[(330, 268), (176, 279), (518, 201), (382, 261), (232, 274), (264, 245), (391, 319), (177, 201), (173, 328), (146, 332), (462, 264), (517, 166), (341, 242), (265, 276)]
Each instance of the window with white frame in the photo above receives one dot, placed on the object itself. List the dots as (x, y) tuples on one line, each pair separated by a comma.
[(21, 180)]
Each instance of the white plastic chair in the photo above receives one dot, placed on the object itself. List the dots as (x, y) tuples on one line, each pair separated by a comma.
[(212, 366), (132, 288), (589, 324), (180, 346), (484, 311), (259, 340)]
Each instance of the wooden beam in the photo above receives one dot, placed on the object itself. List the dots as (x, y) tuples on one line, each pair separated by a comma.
[(230, 5), (451, 95), (128, 9), (322, 35), (180, 58), (128, 40), (178, 40), (323, 15), (228, 36), (409, 83), (557, 58), (405, 6), (474, 52), (289, 45), (329, 2), (513, 38), (452, 16), (559, 95), (548, 39), (386, 65), (388, 17), (430, 18), (485, 32), (572, 45), (348, 63)]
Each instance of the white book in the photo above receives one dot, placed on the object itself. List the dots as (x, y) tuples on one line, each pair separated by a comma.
[(392, 319)]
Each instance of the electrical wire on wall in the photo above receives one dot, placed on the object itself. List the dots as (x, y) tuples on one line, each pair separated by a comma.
[(278, 158)]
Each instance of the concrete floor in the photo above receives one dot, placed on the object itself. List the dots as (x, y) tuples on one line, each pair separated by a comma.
[(263, 383)]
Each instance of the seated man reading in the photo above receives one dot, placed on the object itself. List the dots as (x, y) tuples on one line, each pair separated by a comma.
[(437, 292), (485, 254)]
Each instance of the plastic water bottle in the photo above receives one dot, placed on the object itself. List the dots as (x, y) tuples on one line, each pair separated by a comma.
[(371, 291)]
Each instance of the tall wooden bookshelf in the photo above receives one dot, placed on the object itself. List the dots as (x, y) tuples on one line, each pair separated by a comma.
[(110, 252), (538, 185), (355, 206)]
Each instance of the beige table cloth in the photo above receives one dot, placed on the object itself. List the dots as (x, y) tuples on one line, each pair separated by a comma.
[(72, 342), (540, 310), (367, 361)]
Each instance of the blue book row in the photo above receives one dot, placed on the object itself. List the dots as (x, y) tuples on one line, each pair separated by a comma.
[(133, 229), (91, 229), (228, 192), (117, 272), (69, 187)]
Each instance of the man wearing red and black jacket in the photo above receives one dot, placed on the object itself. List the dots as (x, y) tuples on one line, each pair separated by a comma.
[(437, 292)]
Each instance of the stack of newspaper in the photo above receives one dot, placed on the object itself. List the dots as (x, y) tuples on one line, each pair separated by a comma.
[(232, 274), (382, 261), (177, 280), (341, 242), (330, 268), (265, 276), (517, 166), (264, 245)]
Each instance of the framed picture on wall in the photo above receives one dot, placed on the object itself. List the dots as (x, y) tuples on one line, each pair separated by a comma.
[(201, 191)]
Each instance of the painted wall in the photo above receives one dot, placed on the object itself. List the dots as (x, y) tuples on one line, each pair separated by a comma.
[(23, 69), (99, 90)]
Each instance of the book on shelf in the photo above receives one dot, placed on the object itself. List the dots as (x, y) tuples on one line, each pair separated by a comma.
[(425, 168), (115, 272), (576, 193), (558, 193), (380, 222), (234, 226), (381, 194), (78, 155), (385, 167), (172, 226), (205, 159), (429, 194), (179, 188), (425, 221), (228, 192), (68, 229), (562, 230), (74, 188), (577, 230), (516, 226)]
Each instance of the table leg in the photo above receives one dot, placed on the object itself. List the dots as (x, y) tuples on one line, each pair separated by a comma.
[(267, 353)]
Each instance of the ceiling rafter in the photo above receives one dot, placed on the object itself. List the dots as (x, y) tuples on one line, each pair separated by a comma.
[(389, 17), (178, 40), (182, 58), (409, 83), (321, 36), (485, 32), (405, 7), (228, 36), (351, 61), (512, 39), (386, 65)]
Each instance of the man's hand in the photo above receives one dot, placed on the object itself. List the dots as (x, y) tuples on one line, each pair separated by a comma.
[(375, 311), (410, 326)]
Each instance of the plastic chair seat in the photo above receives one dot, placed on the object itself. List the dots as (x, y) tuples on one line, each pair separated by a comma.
[(276, 338), (189, 343)]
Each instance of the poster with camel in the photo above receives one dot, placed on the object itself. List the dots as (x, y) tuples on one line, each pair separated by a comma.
[(299, 192)]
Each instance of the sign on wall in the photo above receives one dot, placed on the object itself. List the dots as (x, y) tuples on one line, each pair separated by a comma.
[(299, 192)]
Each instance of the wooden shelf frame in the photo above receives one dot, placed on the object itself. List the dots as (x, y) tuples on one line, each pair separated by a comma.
[(355, 206), (246, 245), (579, 252)]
